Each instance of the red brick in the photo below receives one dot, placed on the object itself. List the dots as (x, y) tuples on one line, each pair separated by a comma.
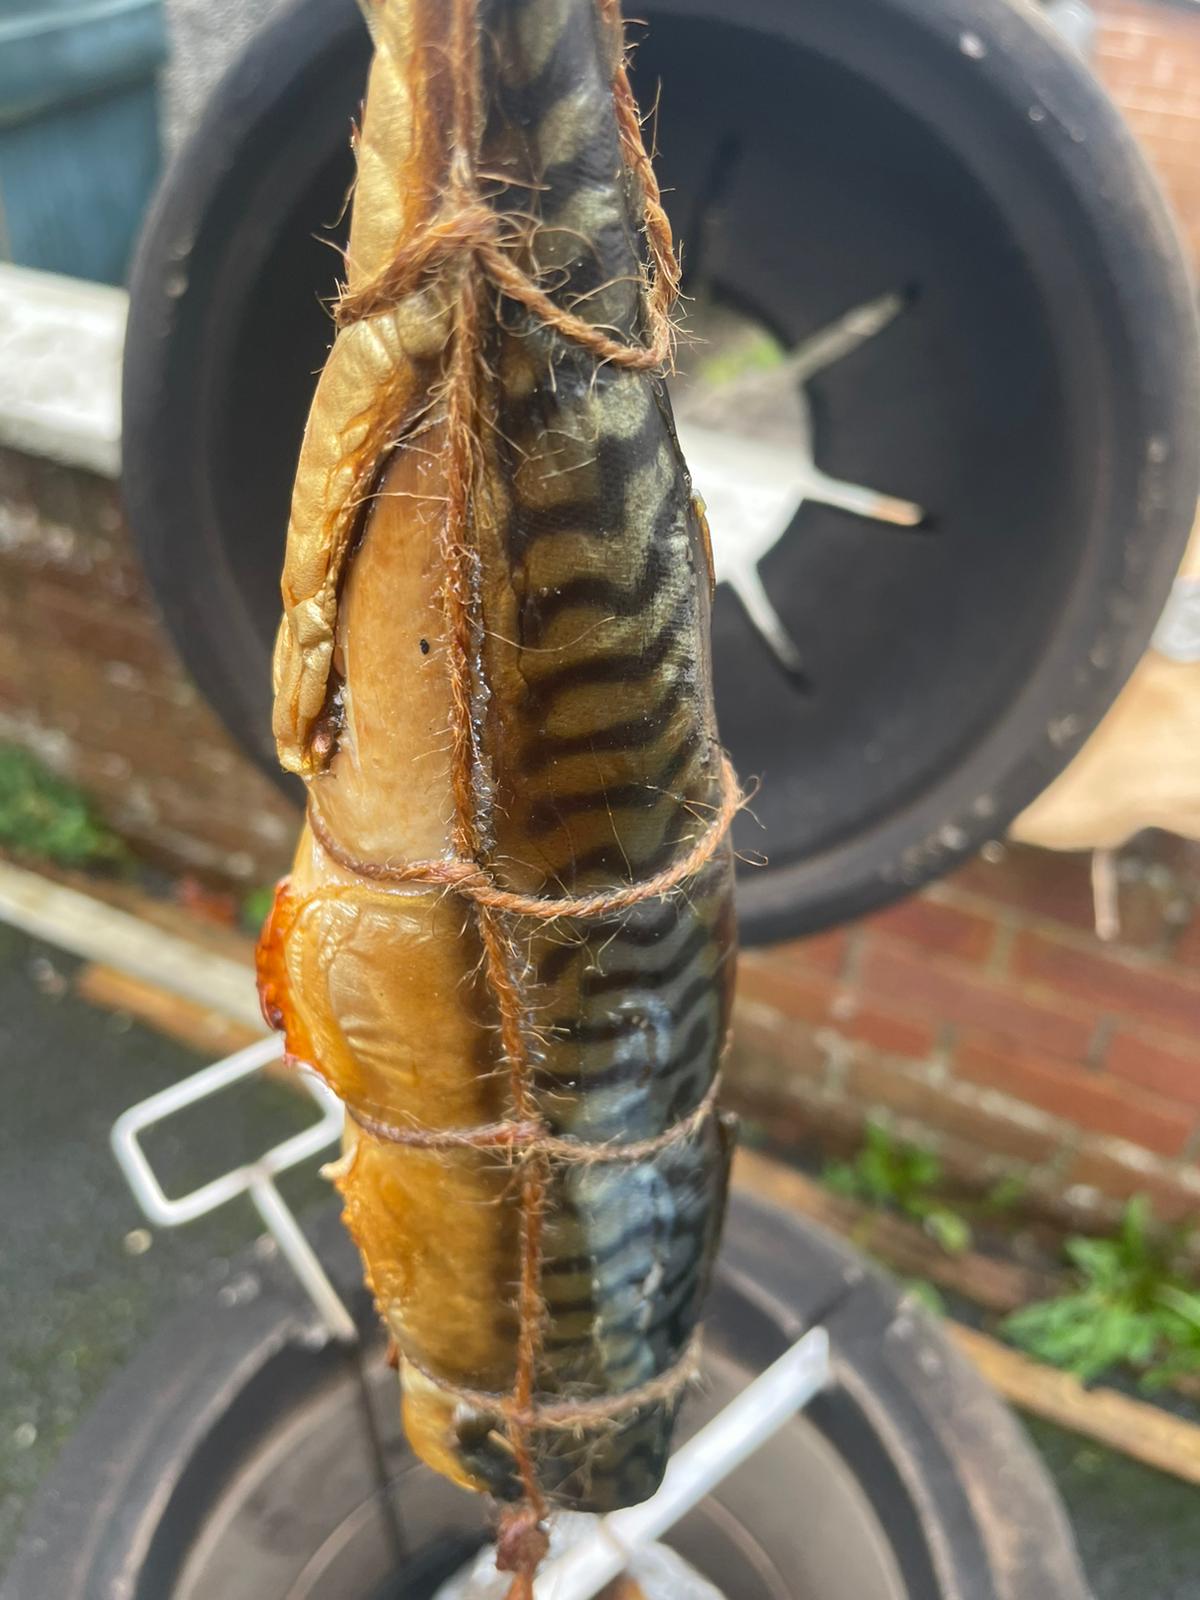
[(923, 986), (942, 928), (768, 1058), (1186, 954), (1110, 984), (823, 952), (882, 1029), (1180, 856), (801, 996), (813, 1120), (1166, 1066), (875, 1084), (104, 630), (1171, 1198), (1056, 886), (812, 998), (1101, 1104), (1132, 43)]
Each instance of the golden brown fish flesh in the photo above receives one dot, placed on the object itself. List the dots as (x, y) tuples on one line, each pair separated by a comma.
[(507, 942)]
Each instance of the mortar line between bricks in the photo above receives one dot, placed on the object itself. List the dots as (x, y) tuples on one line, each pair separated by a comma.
[(838, 1055), (999, 959), (850, 973), (1058, 1166), (1191, 1148), (1020, 992), (978, 902), (1132, 957), (941, 1055), (1026, 919), (1099, 1043)]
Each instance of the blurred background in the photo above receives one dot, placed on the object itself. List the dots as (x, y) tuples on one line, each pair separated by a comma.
[(938, 279)]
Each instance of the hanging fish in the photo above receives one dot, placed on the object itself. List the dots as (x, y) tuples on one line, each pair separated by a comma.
[(507, 942)]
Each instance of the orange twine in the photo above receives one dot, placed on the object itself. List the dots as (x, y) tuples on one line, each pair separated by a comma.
[(467, 237)]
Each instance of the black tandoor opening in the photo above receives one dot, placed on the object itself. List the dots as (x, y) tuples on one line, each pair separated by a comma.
[(1028, 390)]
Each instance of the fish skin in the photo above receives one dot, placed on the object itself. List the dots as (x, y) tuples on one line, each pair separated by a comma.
[(598, 766)]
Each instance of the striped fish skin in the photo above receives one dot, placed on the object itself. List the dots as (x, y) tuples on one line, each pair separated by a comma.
[(604, 754), (599, 766)]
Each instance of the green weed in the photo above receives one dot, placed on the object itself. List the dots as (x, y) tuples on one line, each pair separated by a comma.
[(256, 903), (904, 1179), (1132, 1306), (46, 818)]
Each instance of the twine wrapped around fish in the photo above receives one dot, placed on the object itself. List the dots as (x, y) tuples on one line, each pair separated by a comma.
[(507, 942)]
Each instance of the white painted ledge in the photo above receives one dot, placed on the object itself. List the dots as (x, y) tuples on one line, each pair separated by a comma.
[(60, 367)]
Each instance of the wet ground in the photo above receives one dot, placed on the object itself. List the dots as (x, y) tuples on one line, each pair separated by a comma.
[(84, 1282), (1138, 1531)]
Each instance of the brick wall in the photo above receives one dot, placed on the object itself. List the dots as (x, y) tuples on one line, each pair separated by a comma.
[(1147, 53), (984, 1017), (89, 681)]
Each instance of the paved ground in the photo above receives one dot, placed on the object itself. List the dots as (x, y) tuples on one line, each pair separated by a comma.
[(1138, 1531), (76, 1296), (83, 1283)]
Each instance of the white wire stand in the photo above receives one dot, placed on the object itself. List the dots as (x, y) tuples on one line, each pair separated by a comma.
[(609, 1545), (256, 1178), (587, 1552), (764, 1406)]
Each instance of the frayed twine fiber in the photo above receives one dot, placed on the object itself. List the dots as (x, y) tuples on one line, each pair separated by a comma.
[(466, 242)]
